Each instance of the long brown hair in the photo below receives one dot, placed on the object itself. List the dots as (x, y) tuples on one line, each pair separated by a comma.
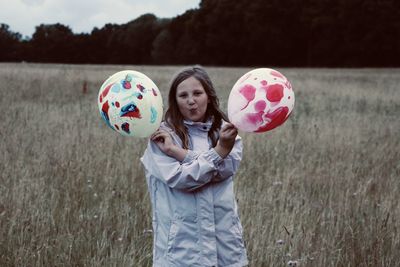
[(173, 116)]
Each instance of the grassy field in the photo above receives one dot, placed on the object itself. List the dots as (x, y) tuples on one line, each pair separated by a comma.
[(322, 190)]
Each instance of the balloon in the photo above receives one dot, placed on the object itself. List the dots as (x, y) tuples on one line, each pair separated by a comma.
[(260, 101), (131, 104)]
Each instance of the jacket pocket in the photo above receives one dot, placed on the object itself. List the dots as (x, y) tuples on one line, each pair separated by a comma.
[(173, 230), (182, 246)]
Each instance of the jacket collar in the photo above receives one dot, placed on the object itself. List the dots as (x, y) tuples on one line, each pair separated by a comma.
[(201, 126)]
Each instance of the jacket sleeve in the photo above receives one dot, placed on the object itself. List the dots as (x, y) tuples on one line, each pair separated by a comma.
[(230, 164), (196, 170)]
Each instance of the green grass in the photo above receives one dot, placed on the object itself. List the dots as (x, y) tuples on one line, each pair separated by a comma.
[(326, 183)]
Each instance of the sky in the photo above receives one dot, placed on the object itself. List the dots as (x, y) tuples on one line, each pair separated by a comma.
[(83, 15)]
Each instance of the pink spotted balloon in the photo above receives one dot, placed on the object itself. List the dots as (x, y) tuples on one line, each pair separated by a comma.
[(131, 104), (260, 101)]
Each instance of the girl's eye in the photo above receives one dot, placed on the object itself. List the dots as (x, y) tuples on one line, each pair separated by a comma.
[(182, 95), (198, 93)]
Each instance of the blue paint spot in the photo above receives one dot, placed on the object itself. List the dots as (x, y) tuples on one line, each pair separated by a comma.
[(105, 117), (130, 110), (116, 88), (128, 78), (153, 115)]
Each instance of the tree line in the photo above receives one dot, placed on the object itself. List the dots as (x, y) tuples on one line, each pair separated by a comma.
[(298, 33)]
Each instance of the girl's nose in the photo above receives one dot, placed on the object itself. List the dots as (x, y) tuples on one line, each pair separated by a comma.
[(190, 101)]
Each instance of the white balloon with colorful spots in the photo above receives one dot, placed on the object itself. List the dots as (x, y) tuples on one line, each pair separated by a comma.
[(261, 100), (131, 104)]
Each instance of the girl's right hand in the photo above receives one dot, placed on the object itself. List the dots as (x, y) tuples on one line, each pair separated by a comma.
[(164, 141)]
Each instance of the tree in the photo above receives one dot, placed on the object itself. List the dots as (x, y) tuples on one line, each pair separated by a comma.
[(52, 43), (317, 33), (9, 44), (132, 43), (163, 48)]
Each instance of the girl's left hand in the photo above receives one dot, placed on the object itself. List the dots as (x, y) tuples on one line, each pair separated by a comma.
[(227, 136)]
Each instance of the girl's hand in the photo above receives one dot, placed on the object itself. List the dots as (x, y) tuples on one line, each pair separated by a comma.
[(227, 136), (164, 141)]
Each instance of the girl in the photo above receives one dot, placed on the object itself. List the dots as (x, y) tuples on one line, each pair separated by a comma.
[(189, 164)]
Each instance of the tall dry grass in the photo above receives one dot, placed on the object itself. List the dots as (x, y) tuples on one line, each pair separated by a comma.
[(321, 190)]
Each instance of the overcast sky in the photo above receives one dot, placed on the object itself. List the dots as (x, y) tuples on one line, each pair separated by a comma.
[(83, 15)]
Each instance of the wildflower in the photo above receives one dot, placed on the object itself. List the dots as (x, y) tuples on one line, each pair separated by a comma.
[(2, 210), (280, 242), (147, 231), (277, 183)]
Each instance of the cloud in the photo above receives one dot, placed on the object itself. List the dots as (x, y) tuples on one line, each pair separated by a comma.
[(83, 15), (33, 2)]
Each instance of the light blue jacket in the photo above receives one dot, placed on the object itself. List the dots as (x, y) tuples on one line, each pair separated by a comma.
[(195, 217)]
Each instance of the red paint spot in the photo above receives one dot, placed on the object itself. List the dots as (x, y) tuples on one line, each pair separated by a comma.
[(139, 96), (117, 104), (133, 114), (116, 126), (275, 92), (260, 105), (105, 109), (277, 74), (264, 83), (154, 91), (276, 118), (125, 127), (105, 92), (255, 118), (288, 97), (249, 92), (126, 85), (140, 87)]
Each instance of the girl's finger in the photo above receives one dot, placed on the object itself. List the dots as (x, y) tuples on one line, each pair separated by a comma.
[(156, 136), (226, 128), (156, 133), (232, 129)]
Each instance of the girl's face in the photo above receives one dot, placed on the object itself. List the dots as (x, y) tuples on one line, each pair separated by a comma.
[(192, 99)]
